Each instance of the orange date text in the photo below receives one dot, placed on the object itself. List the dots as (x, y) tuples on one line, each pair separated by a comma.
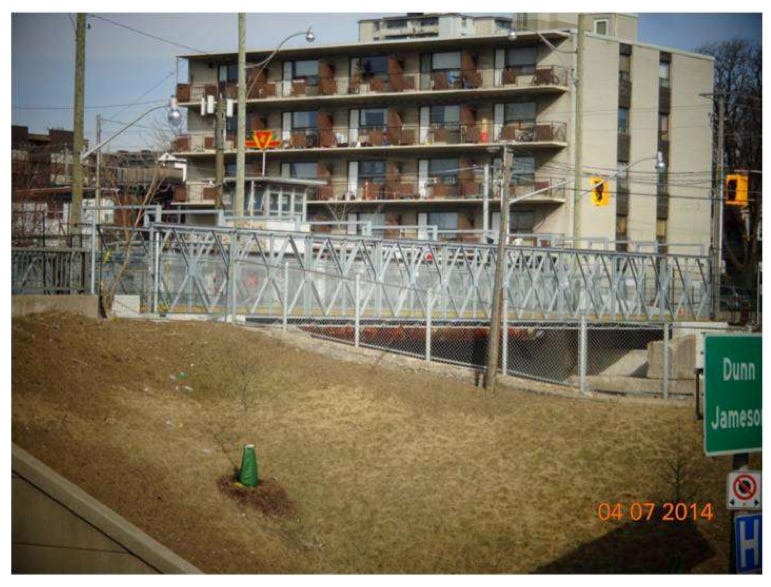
[(645, 511)]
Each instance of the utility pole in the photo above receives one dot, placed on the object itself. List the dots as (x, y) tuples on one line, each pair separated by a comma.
[(238, 204), (219, 146), (578, 89), (77, 123), (717, 208), (500, 267), (98, 186)]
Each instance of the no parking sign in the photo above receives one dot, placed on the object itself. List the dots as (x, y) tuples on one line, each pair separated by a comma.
[(744, 490)]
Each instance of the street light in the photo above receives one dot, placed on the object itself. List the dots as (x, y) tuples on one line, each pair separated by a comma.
[(238, 204), (174, 118), (500, 261)]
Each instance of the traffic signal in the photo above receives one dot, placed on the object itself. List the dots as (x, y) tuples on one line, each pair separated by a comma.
[(736, 185), (600, 191)]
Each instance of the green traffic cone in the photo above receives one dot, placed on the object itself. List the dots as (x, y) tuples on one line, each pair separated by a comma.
[(248, 476)]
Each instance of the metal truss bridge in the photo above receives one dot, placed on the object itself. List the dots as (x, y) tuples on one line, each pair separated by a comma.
[(245, 274)]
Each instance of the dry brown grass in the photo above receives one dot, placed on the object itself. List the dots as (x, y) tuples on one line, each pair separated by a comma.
[(389, 471)]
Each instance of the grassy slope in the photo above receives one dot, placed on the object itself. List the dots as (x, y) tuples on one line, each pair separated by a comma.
[(390, 471)]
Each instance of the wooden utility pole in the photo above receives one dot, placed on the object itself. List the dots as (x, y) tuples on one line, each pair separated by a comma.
[(500, 267), (219, 146), (578, 115), (77, 123), (717, 208), (98, 186), (238, 203)]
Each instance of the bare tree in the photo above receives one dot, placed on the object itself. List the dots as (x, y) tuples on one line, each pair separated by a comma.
[(738, 77)]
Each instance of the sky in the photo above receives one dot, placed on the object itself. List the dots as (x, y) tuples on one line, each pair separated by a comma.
[(125, 67)]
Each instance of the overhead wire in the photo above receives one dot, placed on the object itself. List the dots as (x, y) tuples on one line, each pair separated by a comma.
[(149, 35)]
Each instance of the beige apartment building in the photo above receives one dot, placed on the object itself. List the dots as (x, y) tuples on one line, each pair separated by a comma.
[(405, 130)]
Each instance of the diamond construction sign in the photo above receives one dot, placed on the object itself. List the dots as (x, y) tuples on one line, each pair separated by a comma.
[(733, 376)]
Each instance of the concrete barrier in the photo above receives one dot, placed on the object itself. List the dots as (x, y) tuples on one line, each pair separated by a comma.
[(85, 305), (59, 528), (681, 360)]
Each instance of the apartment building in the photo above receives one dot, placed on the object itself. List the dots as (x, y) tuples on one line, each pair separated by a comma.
[(405, 130)]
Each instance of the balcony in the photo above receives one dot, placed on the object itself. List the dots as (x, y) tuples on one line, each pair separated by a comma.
[(552, 75), (531, 131), (195, 193), (432, 136), (396, 82)]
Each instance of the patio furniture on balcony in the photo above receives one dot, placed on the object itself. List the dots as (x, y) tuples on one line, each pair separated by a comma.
[(545, 76), (472, 79), (470, 189), (377, 85), (443, 190), (372, 191), (440, 81), (299, 88)]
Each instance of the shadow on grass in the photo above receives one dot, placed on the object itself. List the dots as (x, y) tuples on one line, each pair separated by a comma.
[(638, 547)]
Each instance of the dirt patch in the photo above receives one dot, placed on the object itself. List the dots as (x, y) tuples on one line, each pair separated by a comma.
[(389, 470), (268, 497)]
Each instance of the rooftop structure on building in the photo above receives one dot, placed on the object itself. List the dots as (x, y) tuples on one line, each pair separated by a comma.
[(406, 127)]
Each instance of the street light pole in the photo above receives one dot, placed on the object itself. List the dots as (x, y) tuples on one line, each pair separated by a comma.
[(238, 204)]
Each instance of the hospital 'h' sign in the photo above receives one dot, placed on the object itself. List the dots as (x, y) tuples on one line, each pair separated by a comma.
[(733, 376)]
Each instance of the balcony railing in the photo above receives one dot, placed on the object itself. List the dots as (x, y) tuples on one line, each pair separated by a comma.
[(468, 186), (397, 135), (413, 81)]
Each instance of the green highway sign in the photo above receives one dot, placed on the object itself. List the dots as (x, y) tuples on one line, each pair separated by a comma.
[(733, 378)]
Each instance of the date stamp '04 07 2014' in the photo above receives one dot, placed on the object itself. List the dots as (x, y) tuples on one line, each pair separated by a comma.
[(644, 511)]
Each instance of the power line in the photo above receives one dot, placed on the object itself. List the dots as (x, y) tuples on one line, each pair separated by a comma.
[(105, 106), (145, 93), (149, 35)]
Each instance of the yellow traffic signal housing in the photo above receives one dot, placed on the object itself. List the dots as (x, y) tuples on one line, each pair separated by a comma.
[(600, 191), (736, 189)]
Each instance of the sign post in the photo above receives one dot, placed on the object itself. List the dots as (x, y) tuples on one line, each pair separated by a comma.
[(262, 139)]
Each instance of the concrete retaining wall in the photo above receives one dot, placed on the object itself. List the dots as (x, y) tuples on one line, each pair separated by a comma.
[(58, 528), (85, 305)]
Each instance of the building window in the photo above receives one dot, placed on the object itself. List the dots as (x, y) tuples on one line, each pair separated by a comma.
[(306, 70), (521, 60), (372, 118), (444, 170), (663, 127), (449, 62), (661, 229), (625, 67), (228, 73), (304, 120), (429, 21), (303, 170), (519, 112), (622, 222), (370, 67), (664, 74), (447, 116), (372, 171), (623, 121), (523, 171), (396, 24), (443, 220), (522, 221), (282, 202), (601, 26), (622, 177)]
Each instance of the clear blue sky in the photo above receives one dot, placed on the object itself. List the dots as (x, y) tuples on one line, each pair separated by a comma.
[(125, 67)]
